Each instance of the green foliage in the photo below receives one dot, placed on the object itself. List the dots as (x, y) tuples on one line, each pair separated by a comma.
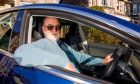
[(98, 36), (98, 8)]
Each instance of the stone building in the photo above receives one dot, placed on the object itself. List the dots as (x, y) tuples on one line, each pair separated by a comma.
[(11, 3), (125, 9), (6, 4)]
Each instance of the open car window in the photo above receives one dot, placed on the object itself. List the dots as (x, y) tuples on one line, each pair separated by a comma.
[(6, 25), (81, 37)]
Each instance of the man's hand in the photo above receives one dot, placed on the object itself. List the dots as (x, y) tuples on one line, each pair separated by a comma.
[(70, 67), (107, 59)]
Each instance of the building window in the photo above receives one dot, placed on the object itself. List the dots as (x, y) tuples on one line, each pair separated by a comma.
[(139, 10), (124, 8), (103, 2), (134, 11), (90, 3), (110, 3), (100, 2), (117, 5)]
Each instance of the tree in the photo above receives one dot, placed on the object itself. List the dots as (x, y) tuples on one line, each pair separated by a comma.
[(98, 8)]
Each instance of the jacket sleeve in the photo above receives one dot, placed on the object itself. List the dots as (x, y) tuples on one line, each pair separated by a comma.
[(81, 57), (28, 55)]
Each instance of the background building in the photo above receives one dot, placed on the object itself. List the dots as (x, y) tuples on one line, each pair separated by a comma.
[(19, 2), (6, 4), (11, 3), (126, 9), (135, 11)]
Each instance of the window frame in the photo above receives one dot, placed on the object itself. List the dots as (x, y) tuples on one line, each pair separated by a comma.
[(71, 16)]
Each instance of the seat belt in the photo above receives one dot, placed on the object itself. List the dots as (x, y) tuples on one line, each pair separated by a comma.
[(71, 57)]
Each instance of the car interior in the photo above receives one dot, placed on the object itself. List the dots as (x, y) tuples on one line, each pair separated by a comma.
[(124, 67)]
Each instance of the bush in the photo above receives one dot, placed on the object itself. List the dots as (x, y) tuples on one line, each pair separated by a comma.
[(97, 36), (98, 8)]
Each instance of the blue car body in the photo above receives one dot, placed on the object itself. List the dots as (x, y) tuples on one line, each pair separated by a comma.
[(126, 31)]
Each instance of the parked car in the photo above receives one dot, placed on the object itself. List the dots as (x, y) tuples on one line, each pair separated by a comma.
[(22, 25)]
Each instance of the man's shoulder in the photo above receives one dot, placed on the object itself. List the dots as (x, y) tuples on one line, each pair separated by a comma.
[(31, 45), (40, 41), (24, 47)]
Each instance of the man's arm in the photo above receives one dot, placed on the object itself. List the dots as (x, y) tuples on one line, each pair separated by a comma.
[(81, 57), (29, 55), (91, 60)]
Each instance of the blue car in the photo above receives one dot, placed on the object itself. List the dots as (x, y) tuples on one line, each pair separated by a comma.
[(87, 31)]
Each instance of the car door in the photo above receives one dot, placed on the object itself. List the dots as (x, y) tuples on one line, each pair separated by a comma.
[(7, 21), (52, 75), (9, 40)]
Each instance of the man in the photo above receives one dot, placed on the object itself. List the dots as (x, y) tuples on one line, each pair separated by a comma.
[(51, 51)]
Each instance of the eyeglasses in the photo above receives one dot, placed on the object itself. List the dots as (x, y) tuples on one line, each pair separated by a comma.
[(50, 27)]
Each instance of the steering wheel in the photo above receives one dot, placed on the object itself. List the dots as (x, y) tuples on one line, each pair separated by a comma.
[(111, 66)]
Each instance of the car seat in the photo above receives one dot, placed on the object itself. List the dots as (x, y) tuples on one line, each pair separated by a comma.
[(75, 37), (37, 29)]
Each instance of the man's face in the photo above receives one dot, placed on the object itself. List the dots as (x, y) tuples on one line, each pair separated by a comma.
[(52, 28)]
